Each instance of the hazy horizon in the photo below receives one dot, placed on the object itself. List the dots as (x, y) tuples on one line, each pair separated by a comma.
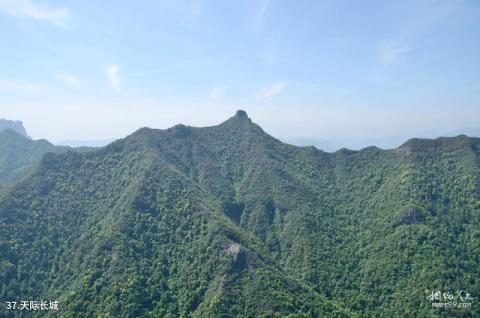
[(336, 70), (327, 144)]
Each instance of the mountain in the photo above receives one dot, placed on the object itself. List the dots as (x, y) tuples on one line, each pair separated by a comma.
[(16, 126), (19, 153), (322, 144), (469, 131), (384, 142), (227, 221)]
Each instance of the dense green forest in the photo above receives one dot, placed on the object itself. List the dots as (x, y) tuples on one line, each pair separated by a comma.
[(19, 153), (227, 221)]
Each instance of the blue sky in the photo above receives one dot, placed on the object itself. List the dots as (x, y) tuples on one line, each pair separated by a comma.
[(301, 69)]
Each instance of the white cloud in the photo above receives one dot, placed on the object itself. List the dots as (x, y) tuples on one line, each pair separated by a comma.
[(71, 80), (392, 52), (112, 76), (19, 87), (271, 91), (28, 9)]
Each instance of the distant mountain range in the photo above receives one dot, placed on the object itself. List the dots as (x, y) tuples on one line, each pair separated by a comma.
[(329, 145), (334, 144), (227, 221), (84, 143)]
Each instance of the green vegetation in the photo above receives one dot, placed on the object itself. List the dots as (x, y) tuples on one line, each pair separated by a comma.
[(227, 221), (18, 154)]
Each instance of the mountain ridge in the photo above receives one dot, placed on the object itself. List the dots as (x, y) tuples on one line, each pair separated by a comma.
[(241, 117), (268, 228), (76, 163)]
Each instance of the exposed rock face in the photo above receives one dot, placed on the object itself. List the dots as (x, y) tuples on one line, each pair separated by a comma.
[(233, 249), (14, 125), (240, 257)]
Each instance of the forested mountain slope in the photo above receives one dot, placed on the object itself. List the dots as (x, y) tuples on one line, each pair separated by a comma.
[(227, 221), (19, 153)]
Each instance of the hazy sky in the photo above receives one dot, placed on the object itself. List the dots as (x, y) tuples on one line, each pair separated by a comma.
[(323, 69)]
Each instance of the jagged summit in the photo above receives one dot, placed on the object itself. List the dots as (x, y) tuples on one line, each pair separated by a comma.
[(235, 125), (240, 126), (241, 114), (14, 125), (239, 119)]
